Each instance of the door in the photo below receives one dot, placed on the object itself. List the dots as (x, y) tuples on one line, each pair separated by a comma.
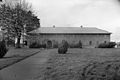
[(49, 44)]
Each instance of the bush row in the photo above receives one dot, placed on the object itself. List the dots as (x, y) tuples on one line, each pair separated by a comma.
[(77, 45), (107, 45), (38, 45)]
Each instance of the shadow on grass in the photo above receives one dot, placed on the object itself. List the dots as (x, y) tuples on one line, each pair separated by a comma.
[(13, 56), (14, 59)]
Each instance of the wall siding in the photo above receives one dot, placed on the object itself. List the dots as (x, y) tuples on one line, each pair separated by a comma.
[(72, 38)]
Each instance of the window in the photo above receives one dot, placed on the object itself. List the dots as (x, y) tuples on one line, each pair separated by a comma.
[(105, 41), (90, 43)]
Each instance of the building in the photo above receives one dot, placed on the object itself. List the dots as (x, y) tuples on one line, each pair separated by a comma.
[(89, 36)]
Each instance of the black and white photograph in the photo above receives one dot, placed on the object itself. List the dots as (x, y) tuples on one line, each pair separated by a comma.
[(59, 39)]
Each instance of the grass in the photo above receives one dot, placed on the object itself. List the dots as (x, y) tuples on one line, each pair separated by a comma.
[(16, 55), (82, 64)]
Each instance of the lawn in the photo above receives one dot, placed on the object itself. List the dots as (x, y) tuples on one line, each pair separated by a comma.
[(83, 64)]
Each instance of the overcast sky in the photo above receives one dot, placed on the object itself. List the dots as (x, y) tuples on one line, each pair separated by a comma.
[(103, 14)]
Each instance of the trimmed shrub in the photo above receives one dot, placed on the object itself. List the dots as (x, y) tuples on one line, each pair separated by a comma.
[(34, 45), (71, 45), (78, 45), (3, 49), (55, 46), (65, 43), (74, 45), (37, 45), (107, 45), (102, 45), (43, 46), (63, 48), (111, 44)]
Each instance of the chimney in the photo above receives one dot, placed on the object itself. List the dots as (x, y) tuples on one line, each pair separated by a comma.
[(53, 26), (81, 26)]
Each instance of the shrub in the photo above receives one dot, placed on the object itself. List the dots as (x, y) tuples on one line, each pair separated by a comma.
[(74, 45), (37, 45), (34, 45), (65, 43), (11, 42), (111, 44), (63, 47), (62, 50), (102, 45), (78, 45), (71, 45), (107, 45), (43, 46), (55, 46), (3, 49)]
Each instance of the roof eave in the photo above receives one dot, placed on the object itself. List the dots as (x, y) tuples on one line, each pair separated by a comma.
[(74, 33)]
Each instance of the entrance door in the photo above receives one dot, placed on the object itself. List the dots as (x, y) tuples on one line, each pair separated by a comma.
[(49, 44)]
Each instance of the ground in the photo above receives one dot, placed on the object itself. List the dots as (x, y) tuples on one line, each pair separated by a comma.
[(26, 69), (71, 65), (15, 55), (49, 65)]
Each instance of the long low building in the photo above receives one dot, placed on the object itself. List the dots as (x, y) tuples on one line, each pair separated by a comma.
[(89, 36)]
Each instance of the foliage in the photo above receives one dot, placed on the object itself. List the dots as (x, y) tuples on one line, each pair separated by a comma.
[(55, 46), (107, 45), (65, 43), (3, 49), (17, 20), (78, 45), (34, 45), (63, 48), (37, 45), (43, 45), (10, 42)]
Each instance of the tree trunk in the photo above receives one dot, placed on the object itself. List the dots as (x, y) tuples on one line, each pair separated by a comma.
[(18, 42)]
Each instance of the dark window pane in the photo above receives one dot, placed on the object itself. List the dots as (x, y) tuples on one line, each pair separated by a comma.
[(90, 43)]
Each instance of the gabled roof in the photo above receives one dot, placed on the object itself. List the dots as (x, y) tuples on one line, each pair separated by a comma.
[(69, 30)]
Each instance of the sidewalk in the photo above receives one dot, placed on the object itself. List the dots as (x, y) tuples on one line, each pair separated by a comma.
[(27, 69), (15, 55)]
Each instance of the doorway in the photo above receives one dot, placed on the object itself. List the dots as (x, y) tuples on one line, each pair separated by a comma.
[(49, 44)]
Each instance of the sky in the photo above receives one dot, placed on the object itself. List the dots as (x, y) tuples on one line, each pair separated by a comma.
[(103, 14)]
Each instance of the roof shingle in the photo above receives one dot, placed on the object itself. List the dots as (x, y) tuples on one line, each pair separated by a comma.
[(69, 30)]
